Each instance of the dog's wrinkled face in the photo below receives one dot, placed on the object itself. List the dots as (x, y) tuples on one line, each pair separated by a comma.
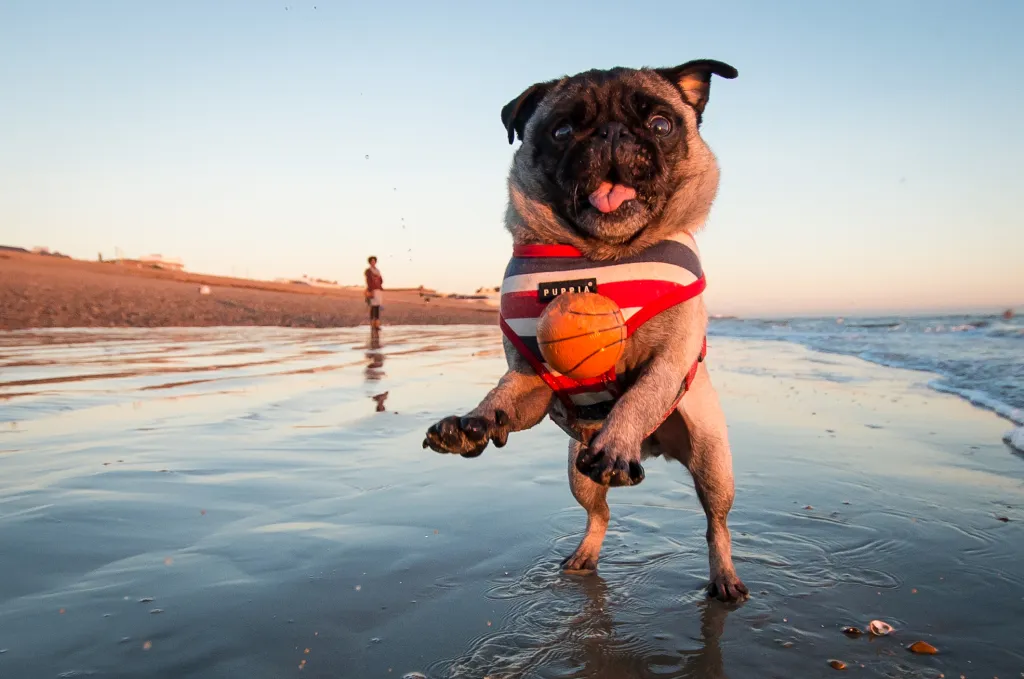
[(611, 158)]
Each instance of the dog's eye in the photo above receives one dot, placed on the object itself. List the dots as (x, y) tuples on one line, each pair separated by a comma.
[(660, 125), (562, 132)]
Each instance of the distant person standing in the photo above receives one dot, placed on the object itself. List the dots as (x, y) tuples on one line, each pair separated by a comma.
[(374, 291)]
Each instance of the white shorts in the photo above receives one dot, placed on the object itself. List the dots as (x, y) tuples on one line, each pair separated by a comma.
[(376, 298)]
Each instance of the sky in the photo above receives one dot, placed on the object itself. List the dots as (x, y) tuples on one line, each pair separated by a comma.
[(870, 151)]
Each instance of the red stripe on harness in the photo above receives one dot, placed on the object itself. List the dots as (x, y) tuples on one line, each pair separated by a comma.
[(626, 294), (522, 304), (535, 250), (677, 296)]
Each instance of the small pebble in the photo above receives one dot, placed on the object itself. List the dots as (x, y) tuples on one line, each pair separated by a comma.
[(853, 631), (837, 664), (923, 648)]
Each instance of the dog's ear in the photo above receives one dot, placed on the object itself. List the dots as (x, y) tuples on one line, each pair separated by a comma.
[(515, 113), (694, 79)]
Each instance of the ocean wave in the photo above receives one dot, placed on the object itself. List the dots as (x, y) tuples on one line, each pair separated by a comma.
[(1014, 333), (983, 400), (990, 326), (1015, 439), (977, 358), (888, 325)]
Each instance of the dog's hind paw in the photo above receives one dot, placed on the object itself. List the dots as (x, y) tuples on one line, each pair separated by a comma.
[(728, 588), (580, 563)]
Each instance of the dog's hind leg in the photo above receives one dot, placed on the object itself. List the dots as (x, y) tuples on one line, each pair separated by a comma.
[(593, 498), (700, 441)]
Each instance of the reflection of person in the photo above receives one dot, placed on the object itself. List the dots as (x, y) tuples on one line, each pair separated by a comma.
[(374, 370), (374, 291)]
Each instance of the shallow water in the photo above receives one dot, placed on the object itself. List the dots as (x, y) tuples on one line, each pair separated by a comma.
[(236, 503), (977, 357)]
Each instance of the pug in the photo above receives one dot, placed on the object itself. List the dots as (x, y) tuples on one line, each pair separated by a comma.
[(610, 184)]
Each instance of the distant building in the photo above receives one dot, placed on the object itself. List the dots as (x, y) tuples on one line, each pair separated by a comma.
[(161, 262), (45, 251), (319, 282), (491, 296), (309, 280)]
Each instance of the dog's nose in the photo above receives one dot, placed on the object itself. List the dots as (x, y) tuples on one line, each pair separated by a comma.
[(612, 132)]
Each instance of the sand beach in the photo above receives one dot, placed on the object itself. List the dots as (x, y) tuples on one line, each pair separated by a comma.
[(38, 291)]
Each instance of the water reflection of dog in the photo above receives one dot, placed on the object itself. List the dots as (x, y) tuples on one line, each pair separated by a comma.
[(599, 655), (567, 637), (373, 370)]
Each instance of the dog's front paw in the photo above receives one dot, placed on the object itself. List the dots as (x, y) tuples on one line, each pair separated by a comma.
[(469, 435), (603, 465)]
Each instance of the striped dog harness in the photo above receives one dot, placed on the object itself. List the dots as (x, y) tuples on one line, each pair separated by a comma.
[(662, 276)]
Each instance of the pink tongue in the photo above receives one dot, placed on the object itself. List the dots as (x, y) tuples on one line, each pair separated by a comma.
[(609, 197)]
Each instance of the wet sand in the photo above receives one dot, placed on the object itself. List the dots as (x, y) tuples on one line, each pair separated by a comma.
[(231, 503), (39, 291)]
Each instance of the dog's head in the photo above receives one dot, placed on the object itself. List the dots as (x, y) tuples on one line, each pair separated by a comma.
[(612, 161)]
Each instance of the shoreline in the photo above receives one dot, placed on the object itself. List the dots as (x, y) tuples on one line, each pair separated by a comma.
[(1014, 438), (955, 355)]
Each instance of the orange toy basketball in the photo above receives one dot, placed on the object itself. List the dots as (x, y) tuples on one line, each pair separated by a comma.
[(581, 334)]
